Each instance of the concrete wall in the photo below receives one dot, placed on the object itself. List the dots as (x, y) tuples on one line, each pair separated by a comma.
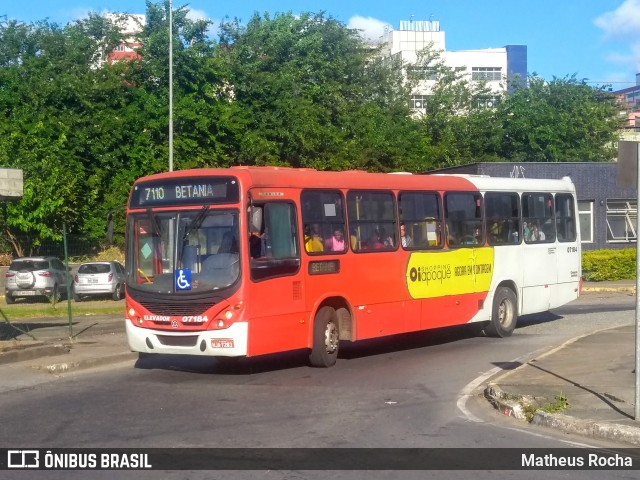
[(594, 181)]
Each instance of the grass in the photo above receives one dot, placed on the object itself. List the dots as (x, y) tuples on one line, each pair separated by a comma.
[(44, 309), (560, 404)]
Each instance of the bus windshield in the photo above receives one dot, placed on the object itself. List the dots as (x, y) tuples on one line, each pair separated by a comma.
[(183, 251)]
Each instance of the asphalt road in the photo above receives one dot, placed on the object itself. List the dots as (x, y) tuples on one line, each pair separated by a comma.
[(406, 391)]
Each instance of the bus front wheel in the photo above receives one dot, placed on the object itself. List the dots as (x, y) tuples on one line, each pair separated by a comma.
[(326, 338), (504, 314)]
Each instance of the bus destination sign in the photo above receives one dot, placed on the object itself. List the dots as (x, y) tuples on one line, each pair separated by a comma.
[(185, 191)]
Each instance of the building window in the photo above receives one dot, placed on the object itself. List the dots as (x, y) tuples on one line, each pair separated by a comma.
[(417, 102), (487, 101), (621, 220), (585, 212), (419, 72), (486, 73)]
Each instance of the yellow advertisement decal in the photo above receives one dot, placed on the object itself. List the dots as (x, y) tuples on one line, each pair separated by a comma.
[(453, 272)]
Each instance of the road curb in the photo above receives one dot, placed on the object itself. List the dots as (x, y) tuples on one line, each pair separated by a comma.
[(589, 428), (86, 363), (32, 351), (509, 405), (609, 289), (523, 406)]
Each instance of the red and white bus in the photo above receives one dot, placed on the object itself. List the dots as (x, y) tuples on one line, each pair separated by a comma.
[(248, 261)]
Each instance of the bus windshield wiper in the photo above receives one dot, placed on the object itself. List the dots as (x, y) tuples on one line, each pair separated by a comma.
[(195, 224), (155, 223)]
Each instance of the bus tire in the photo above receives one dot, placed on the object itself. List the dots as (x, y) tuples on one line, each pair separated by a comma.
[(326, 338), (504, 314)]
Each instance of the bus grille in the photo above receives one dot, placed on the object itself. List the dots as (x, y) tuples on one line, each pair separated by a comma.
[(176, 309), (169, 341)]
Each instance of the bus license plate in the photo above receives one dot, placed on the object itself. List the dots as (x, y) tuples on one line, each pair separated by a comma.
[(222, 343)]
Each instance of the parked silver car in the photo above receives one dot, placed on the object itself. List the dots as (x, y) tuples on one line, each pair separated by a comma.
[(30, 277), (99, 278)]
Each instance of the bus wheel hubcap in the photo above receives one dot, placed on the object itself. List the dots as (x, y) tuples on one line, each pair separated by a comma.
[(504, 312), (331, 337)]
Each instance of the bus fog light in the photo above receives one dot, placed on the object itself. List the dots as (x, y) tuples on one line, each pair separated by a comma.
[(220, 323), (140, 321), (228, 315)]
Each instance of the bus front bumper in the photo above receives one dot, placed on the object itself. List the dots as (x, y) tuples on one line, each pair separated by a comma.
[(230, 342)]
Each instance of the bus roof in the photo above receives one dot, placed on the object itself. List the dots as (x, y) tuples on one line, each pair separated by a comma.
[(267, 176)]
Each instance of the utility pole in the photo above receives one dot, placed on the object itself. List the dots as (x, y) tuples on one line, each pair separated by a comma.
[(170, 85)]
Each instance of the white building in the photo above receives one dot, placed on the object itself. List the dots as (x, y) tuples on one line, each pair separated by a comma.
[(130, 26), (498, 66)]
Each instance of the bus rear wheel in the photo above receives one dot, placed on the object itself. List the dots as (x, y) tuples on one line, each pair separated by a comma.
[(326, 338), (504, 314)]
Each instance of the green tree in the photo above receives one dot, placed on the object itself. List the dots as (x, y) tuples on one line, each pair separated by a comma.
[(316, 96), (459, 124), (559, 120), (207, 123), (48, 87)]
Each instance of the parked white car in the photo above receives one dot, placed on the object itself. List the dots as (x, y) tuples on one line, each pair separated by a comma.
[(98, 279), (32, 277)]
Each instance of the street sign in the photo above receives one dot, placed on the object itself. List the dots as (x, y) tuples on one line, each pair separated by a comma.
[(11, 184)]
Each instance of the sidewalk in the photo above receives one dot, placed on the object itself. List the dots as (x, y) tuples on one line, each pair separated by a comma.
[(593, 373), (592, 376), (47, 344), (585, 386)]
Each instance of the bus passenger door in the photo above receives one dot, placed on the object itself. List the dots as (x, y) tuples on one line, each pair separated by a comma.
[(275, 287), (540, 276), (539, 252), (568, 254)]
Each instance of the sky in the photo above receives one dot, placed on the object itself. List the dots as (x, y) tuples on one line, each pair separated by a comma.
[(595, 40)]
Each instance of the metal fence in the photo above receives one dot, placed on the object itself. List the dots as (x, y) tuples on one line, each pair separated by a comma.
[(78, 247)]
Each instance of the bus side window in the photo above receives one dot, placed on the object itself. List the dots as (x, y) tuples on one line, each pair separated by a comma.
[(421, 214), (565, 218), (502, 212), (372, 220), (537, 218), (324, 229), (463, 211), (274, 250), (256, 229)]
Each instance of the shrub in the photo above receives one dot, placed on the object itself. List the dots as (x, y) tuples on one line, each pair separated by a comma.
[(603, 265), (108, 254)]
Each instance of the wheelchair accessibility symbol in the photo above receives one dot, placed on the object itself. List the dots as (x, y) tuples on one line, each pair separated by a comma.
[(183, 279)]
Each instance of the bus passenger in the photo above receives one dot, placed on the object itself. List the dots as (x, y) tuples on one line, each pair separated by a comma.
[(404, 238), (387, 240), (537, 235), (336, 242), (312, 239), (496, 231), (375, 242), (354, 239), (256, 245)]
